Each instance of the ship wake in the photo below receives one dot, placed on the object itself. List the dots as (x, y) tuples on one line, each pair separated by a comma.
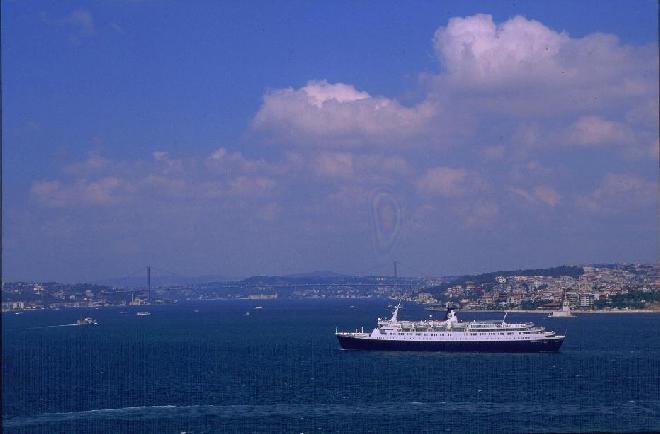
[(649, 410)]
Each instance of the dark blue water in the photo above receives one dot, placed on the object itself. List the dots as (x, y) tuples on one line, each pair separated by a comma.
[(280, 370)]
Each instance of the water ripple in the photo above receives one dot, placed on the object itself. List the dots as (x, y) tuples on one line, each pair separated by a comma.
[(649, 408)]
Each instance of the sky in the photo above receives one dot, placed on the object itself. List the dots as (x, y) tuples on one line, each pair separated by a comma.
[(243, 138)]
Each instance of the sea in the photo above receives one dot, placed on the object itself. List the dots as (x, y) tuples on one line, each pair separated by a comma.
[(226, 366)]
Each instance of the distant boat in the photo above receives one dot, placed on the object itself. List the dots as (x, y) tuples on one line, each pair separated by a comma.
[(259, 307), (143, 313), (247, 313), (87, 321)]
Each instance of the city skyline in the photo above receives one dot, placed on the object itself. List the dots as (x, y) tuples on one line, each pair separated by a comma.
[(219, 139)]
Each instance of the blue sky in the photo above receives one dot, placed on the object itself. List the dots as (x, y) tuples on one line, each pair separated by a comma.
[(267, 138)]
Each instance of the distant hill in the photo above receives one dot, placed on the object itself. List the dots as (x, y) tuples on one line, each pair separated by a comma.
[(562, 270), (319, 277), (313, 277), (485, 278), (324, 274), (159, 281)]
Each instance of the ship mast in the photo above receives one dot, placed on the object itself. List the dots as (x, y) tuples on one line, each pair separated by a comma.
[(395, 314)]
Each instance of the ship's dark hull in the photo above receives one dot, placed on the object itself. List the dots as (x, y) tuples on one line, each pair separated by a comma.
[(536, 346)]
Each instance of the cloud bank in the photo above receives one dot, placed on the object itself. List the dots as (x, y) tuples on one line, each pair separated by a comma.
[(523, 130)]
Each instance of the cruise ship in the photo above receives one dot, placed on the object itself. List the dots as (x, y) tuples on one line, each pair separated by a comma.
[(452, 335)]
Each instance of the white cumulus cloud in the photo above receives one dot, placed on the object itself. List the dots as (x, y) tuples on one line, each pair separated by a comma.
[(445, 181), (593, 131), (620, 192), (321, 113), (476, 50)]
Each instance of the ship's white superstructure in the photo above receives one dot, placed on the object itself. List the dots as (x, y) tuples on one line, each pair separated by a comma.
[(451, 329), (449, 334)]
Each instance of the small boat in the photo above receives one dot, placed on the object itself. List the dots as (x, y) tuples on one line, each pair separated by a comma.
[(259, 307), (143, 313), (87, 321), (247, 313)]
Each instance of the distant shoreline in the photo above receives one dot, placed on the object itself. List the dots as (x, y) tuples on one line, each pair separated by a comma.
[(427, 307), (572, 311)]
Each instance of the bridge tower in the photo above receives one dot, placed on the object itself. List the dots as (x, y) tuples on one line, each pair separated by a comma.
[(149, 284)]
